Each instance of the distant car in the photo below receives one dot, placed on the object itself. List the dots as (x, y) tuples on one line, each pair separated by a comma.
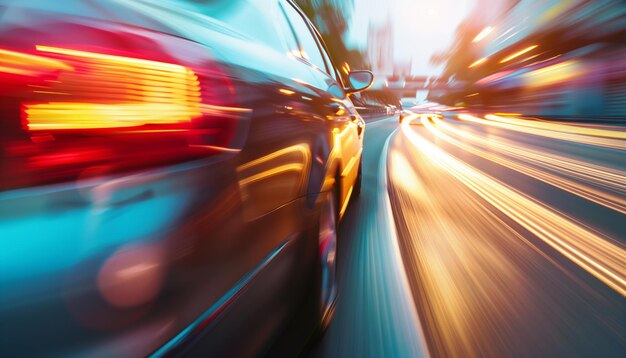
[(173, 173)]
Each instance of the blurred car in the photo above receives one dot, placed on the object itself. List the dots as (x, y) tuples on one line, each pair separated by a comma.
[(172, 175)]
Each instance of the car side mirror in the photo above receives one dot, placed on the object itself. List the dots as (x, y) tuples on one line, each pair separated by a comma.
[(359, 81)]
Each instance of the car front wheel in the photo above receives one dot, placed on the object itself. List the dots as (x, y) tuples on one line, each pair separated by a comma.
[(326, 270)]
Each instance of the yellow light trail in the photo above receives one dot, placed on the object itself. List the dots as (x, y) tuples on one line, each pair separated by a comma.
[(477, 62), (112, 59), (68, 115), (614, 180), (519, 53), (26, 64), (484, 33), (558, 127), (108, 91), (596, 254), (501, 122)]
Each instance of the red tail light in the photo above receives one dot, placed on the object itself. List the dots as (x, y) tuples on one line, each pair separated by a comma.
[(64, 111)]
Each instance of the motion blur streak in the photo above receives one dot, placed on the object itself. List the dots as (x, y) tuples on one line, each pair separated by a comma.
[(609, 179), (594, 253), (477, 62), (558, 127), (375, 314), (502, 122), (286, 167), (519, 53), (106, 91), (295, 158), (28, 65)]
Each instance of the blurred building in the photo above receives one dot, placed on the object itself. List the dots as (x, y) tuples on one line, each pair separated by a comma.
[(380, 49), (402, 69), (551, 57)]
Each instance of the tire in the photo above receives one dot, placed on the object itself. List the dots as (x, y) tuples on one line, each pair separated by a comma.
[(325, 292)]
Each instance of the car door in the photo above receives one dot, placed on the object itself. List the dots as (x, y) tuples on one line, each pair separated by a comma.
[(161, 246), (333, 104)]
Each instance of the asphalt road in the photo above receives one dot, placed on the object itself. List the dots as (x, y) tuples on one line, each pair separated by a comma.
[(485, 237), (375, 314)]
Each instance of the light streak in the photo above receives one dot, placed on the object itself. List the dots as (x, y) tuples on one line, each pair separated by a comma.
[(288, 169), (301, 150), (611, 179), (519, 53), (500, 122), (346, 68), (67, 115), (484, 33), (477, 62), (26, 64), (592, 252), (558, 127), (294, 158), (112, 59), (107, 91), (297, 167), (553, 74)]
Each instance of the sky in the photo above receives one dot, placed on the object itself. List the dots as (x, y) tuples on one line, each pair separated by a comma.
[(421, 27)]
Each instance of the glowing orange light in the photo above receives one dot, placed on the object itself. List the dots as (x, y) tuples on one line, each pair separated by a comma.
[(346, 68), (286, 91), (596, 175), (25, 64), (478, 62), (557, 73), (553, 130), (519, 53), (147, 64), (596, 254), (486, 31), (105, 91)]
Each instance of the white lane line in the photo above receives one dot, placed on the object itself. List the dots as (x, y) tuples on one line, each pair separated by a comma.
[(404, 311), (376, 314)]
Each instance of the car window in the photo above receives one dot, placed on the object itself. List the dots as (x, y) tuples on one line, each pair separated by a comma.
[(287, 31), (334, 73), (253, 18), (308, 48)]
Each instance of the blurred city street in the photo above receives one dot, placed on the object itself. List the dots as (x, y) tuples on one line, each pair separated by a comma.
[(313, 178), (513, 245)]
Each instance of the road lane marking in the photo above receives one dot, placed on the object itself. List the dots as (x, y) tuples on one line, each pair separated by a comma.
[(404, 309)]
